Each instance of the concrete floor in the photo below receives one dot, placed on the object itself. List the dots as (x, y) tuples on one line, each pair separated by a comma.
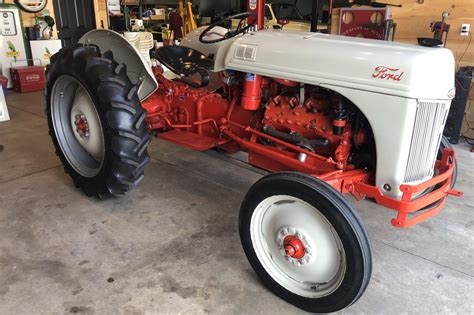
[(172, 245)]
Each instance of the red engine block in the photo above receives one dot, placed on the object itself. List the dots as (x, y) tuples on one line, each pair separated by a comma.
[(312, 119), (180, 107)]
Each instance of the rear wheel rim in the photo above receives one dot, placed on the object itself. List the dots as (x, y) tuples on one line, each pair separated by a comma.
[(77, 126), (280, 225)]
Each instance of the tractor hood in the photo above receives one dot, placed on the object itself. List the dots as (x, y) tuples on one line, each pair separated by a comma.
[(378, 66)]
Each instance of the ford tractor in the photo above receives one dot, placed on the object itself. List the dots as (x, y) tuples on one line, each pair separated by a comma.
[(326, 115)]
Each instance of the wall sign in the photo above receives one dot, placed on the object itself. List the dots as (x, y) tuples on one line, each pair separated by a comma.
[(253, 4), (32, 6)]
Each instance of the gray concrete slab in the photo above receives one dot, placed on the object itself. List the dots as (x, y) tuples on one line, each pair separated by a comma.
[(172, 246), (29, 102), (25, 145), (440, 235)]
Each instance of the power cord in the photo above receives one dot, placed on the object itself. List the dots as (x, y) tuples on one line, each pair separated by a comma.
[(465, 50)]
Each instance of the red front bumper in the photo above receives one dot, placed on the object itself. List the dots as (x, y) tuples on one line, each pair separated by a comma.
[(433, 201)]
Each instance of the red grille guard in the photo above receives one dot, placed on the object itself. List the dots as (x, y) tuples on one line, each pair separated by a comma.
[(433, 201)]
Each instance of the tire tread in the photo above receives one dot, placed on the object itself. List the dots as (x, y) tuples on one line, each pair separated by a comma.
[(127, 158)]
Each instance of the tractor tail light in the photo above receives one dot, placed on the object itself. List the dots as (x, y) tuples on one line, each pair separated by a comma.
[(252, 94)]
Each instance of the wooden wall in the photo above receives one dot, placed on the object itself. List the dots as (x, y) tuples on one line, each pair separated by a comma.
[(101, 14), (100, 7), (29, 18), (413, 20)]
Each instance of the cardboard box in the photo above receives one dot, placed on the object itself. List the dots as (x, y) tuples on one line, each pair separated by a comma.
[(130, 2), (159, 11), (161, 17)]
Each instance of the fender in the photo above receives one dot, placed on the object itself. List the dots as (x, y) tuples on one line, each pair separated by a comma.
[(138, 69)]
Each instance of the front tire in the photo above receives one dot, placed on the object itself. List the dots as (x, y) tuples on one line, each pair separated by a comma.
[(305, 242), (96, 121)]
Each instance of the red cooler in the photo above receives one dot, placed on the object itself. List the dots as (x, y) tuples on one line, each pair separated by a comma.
[(28, 79)]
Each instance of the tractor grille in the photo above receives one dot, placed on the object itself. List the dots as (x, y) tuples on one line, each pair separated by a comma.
[(429, 123)]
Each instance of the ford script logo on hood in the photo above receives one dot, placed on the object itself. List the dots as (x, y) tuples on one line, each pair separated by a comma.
[(386, 73)]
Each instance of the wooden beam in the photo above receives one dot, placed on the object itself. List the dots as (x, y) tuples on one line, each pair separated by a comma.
[(101, 14)]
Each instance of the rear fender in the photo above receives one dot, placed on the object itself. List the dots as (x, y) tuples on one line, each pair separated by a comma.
[(138, 69)]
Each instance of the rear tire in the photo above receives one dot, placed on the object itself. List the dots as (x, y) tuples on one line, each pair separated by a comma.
[(305, 242), (96, 121)]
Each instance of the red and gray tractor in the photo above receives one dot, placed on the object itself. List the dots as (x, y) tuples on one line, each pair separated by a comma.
[(326, 115)]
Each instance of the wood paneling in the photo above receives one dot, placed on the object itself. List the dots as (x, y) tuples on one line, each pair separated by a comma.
[(29, 18), (101, 14), (413, 20)]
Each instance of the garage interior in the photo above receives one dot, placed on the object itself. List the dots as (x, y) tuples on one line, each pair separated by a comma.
[(172, 245)]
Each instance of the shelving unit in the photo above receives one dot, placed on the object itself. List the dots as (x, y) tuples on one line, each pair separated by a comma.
[(143, 5)]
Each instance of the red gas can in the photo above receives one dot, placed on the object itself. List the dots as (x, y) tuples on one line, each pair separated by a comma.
[(28, 79)]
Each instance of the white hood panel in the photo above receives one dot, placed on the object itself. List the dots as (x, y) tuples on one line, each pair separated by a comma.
[(378, 66)]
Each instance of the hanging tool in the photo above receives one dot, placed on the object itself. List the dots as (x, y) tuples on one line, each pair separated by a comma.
[(187, 15), (191, 20), (439, 28)]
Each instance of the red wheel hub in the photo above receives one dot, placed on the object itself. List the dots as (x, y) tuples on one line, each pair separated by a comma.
[(82, 126), (293, 247)]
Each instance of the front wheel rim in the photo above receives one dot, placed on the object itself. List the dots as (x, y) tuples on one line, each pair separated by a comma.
[(297, 246), (77, 126)]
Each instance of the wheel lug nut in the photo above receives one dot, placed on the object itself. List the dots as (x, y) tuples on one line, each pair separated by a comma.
[(290, 250)]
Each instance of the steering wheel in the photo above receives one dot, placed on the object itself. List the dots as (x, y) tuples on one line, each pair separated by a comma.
[(231, 33)]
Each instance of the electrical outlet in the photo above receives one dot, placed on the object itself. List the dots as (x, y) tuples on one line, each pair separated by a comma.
[(465, 29)]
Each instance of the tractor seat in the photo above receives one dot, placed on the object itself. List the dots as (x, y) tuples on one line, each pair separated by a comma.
[(183, 60)]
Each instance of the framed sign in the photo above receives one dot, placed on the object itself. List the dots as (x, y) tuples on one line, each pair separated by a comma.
[(32, 6), (3, 107), (113, 6)]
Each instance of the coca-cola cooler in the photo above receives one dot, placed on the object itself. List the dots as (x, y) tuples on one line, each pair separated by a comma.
[(28, 79)]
